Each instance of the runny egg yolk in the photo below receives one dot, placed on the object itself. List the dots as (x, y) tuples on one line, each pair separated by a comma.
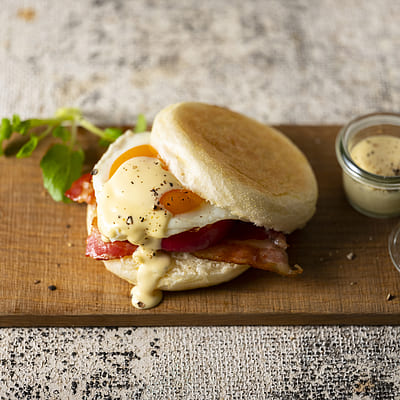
[(179, 201), (176, 201), (144, 150)]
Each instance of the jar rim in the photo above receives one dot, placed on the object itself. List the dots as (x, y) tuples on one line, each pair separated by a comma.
[(345, 160)]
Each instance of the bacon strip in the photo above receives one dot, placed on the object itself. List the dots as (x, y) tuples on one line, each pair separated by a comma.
[(99, 250), (81, 191), (262, 254), (255, 246)]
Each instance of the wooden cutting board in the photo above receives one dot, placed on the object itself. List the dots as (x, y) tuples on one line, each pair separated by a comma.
[(42, 246)]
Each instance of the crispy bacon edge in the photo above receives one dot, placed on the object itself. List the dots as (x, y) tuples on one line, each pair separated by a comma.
[(81, 190)]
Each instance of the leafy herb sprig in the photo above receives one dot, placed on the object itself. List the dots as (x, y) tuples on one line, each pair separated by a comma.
[(62, 163)]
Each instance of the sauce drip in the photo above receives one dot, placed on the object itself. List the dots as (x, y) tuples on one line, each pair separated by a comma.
[(153, 267)]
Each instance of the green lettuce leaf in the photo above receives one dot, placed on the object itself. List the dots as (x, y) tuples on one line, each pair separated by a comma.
[(60, 167)]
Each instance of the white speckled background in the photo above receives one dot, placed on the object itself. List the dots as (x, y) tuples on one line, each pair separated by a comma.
[(279, 61)]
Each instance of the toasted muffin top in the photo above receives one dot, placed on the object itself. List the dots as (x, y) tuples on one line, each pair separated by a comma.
[(237, 163)]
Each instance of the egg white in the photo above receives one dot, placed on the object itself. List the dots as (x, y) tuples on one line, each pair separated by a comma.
[(203, 215)]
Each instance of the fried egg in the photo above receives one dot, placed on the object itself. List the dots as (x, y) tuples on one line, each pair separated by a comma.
[(139, 200)]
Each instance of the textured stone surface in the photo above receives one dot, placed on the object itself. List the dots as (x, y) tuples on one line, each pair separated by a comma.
[(279, 61), (291, 61), (201, 363)]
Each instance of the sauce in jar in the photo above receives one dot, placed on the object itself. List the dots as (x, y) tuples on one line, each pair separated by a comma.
[(379, 154), (368, 150)]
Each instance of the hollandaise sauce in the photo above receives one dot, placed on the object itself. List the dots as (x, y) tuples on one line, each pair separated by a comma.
[(128, 209), (153, 266), (379, 154), (368, 149)]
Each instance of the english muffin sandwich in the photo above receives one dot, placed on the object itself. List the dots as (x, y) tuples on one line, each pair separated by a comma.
[(207, 194)]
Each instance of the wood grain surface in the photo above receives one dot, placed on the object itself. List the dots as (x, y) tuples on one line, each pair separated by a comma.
[(43, 245)]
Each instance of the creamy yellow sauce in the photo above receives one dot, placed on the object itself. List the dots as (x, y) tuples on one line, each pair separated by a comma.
[(127, 210), (378, 154), (370, 200), (153, 266)]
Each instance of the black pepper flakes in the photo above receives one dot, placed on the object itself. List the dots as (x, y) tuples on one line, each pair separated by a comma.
[(94, 172), (52, 287), (129, 220)]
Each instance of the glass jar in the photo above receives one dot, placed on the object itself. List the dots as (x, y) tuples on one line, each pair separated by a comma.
[(369, 193)]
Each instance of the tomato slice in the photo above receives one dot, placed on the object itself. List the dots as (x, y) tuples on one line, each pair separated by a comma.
[(242, 230), (197, 239)]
